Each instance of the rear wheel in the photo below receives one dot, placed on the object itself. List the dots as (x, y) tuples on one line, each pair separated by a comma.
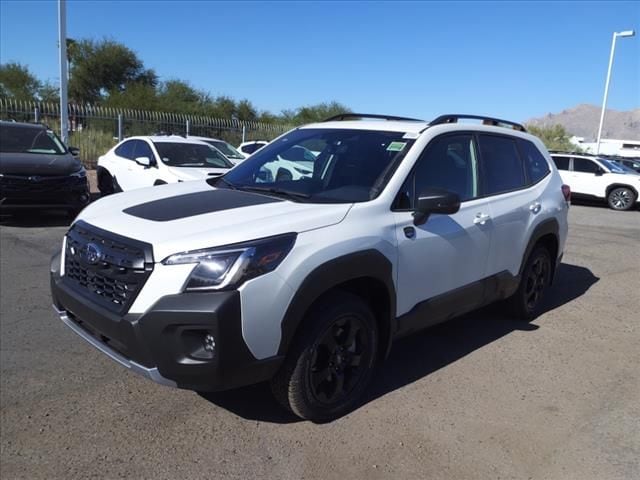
[(621, 198), (331, 361), (526, 303)]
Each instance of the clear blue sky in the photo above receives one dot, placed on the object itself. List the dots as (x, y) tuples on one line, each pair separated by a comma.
[(510, 59)]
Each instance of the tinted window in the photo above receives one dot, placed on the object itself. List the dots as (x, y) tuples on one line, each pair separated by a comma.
[(584, 165), (535, 163), (562, 163), (248, 149), (502, 168), (449, 163), (142, 149), (125, 150)]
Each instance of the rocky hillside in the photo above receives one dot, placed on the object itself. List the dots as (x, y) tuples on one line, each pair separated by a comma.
[(583, 121)]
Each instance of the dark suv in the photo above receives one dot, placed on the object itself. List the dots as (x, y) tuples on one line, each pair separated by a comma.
[(38, 171)]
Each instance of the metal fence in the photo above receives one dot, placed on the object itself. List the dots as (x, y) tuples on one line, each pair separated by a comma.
[(95, 129)]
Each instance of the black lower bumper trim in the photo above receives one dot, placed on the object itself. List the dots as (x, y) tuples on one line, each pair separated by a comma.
[(170, 338)]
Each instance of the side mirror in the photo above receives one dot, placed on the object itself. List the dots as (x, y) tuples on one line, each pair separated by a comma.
[(435, 200), (75, 151), (599, 172), (144, 161)]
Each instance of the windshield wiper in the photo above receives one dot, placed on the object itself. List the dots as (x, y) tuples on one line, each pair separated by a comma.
[(274, 191)]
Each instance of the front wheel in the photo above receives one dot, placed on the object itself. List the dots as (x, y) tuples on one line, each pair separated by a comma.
[(526, 302), (331, 361), (621, 198)]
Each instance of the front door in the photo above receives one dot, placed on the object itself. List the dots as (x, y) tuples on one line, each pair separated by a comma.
[(447, 255)]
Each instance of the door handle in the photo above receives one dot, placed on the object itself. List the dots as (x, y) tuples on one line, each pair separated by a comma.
[(535, 207), (481, 219)]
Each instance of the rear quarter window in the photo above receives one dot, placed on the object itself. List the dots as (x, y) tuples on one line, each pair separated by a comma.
[(534, 162)]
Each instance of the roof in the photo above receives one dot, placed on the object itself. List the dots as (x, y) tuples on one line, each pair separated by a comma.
[(381, 125)]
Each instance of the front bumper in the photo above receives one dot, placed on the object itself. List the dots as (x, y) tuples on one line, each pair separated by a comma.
[(166, 343), (61, 192)]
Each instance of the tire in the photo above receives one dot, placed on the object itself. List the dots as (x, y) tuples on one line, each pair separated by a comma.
[(338, 338), (526, 302), (107, 184), (621, 198), (283, 175)]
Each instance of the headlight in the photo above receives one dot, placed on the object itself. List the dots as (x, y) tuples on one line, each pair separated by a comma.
[(227, 267), (80, 173)]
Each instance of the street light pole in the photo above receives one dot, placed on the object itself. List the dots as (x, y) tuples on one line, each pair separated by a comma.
[(627, 33), (62, 50)]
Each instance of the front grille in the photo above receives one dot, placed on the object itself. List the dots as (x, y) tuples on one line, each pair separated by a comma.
[(107, 268), (37, 184)]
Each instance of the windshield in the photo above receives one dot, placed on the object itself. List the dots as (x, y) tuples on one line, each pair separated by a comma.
[(616, 167), (21, 139), (191, 155), (322, 165), (226, 149)]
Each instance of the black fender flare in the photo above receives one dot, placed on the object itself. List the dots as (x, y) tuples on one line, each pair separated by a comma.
[(546, 227), (366, 264)]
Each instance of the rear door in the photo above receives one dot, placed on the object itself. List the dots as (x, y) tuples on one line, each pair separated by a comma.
[(514, 201), (448, 251)]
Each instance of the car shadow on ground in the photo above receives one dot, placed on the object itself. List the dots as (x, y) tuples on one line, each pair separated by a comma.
[(30, 219), (38, 218), (419, 355)]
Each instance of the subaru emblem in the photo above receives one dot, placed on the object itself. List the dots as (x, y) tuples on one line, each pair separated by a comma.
[(92, 254)]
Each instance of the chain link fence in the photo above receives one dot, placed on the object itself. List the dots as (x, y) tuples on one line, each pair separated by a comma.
[(95, 129)]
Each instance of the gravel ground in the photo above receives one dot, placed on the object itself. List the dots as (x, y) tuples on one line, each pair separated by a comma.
[(480, 397)]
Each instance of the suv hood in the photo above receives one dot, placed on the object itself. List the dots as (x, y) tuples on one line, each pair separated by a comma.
[(37, 164), (194, 173), (193, 215)]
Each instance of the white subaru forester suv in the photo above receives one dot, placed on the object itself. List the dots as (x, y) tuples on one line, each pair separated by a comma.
[(306, 282)]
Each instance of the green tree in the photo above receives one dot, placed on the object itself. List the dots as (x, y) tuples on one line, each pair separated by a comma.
[(17, 82), (555, 137), (313, 113), (105, 67), (246, 111)]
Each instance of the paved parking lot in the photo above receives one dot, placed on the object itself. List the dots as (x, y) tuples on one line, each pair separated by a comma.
[(480, 397)]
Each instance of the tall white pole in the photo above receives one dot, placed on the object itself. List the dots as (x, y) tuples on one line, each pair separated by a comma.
[(62, 50), (606, 91)]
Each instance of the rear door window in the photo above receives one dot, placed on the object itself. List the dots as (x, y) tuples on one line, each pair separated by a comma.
[(562, 163), (502, 169)]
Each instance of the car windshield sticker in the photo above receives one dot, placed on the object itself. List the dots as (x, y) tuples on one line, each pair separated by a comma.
[(396, 146), (411, 135)]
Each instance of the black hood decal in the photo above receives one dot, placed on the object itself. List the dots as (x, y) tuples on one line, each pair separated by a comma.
[(198, 203)]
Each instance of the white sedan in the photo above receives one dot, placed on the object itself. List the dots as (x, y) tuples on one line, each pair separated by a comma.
[(139, 162)]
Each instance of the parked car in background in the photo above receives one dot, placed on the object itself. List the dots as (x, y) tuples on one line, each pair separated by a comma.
[(139, 162), (37, 171), (217, 284), (632, 163), (247, 148), (225, 148), (598, 178)]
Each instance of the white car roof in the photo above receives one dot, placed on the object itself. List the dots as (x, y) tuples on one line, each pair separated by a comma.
[(382, 125), (168, 139)]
